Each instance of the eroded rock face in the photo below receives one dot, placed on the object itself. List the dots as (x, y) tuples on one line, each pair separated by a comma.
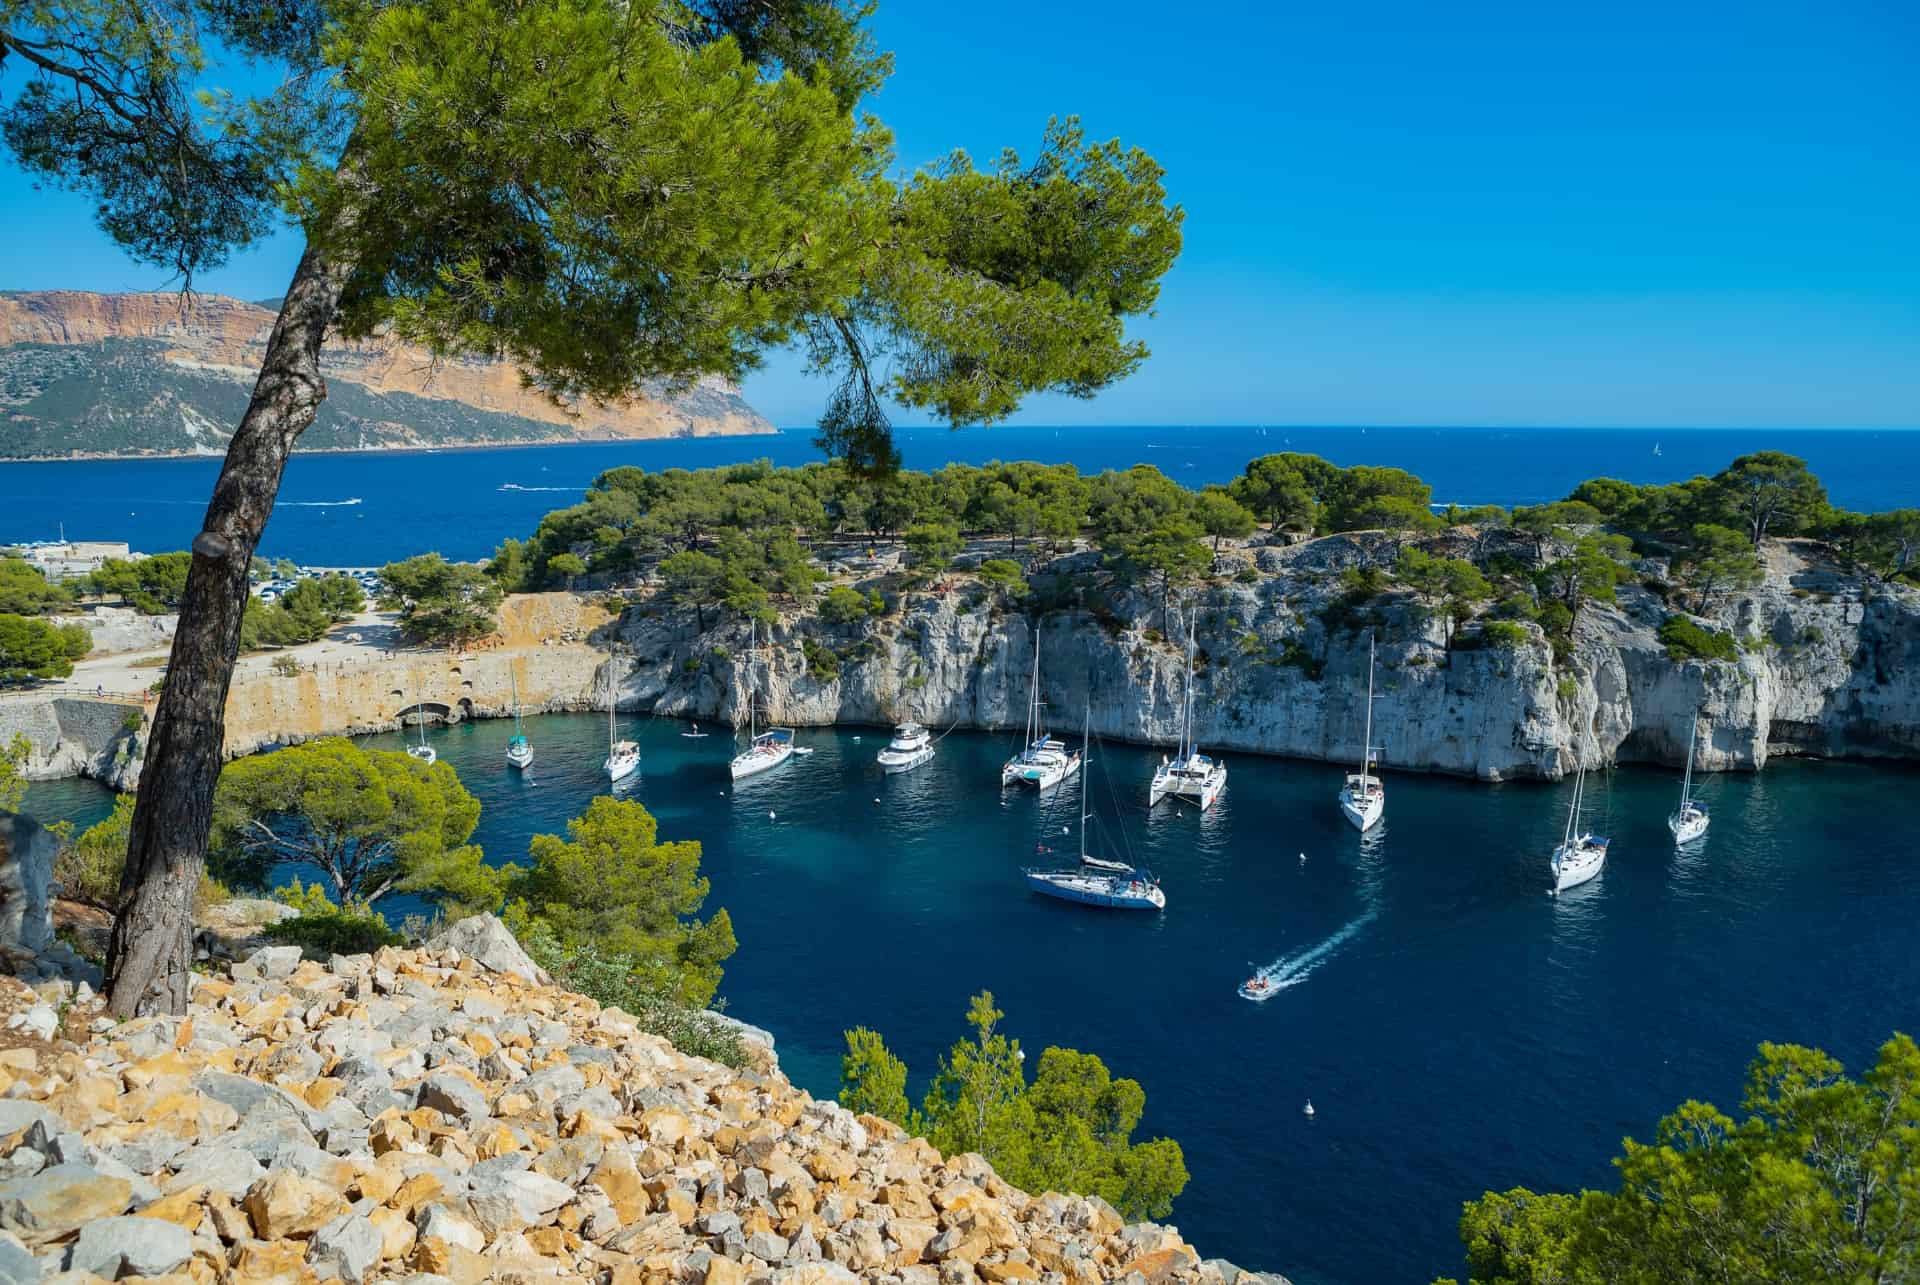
[(464, 1123), (26, 872), (1833, 668)]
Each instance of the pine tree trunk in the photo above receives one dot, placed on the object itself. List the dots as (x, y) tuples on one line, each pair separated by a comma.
[(151, 949)]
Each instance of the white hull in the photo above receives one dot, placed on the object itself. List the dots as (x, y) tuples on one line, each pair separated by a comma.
[(1363, 811), (520, 757), (1042, 775), (619, 767), (1201, 788), (424, 753), (1577, 862), (1687, 826), (892, 762), (1258, 989), (754, 762)]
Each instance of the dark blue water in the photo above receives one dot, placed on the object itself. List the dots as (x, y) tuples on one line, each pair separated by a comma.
[(362, 510), (1456, 1028)]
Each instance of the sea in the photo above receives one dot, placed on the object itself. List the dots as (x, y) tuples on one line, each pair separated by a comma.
[(365, 509), (1455, 1028)]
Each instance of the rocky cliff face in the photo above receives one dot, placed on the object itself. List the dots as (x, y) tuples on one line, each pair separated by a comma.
[(151, 374), (1832, 667)]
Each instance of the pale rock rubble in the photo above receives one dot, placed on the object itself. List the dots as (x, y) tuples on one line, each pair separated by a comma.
[(445, 1115)]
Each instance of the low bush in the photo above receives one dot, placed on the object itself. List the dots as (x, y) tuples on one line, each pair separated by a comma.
[(1686, 640), (615, 980), (335, 932), (1504, 633), (822, 662)]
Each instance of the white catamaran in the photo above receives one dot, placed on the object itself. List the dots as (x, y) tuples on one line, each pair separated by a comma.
[(911, 746), (519, 748), (1189, 774), (765, 750), (1363, 800), (1097, 881), (1689, 820), (1581, 853), (1042, 762), (423, 751), (623, 757)]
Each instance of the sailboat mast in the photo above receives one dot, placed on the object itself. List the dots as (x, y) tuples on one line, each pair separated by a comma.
[(1186, 718), (1686, 782), (1033, 696), (753, 685), (1366, 738), (1086, 730)]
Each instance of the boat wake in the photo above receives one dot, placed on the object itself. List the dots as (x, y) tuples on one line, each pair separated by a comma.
[(515, 486), (1291, 970), (320, 504)]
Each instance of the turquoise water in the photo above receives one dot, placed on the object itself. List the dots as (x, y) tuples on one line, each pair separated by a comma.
[(364, 510), (1456, 1028)]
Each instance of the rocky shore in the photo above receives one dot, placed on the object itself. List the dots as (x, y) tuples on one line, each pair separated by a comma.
[(445, 1115), (1829, 665)]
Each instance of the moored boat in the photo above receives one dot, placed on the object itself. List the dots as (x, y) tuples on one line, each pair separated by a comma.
[(1581, 854), (1363, 800), (1189, 774), (1098, 881), (1689, 821), (911, 746), (765, 750), (1043, 762)]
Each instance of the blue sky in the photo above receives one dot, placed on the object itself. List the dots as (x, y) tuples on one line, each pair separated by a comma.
[(1409, 213)]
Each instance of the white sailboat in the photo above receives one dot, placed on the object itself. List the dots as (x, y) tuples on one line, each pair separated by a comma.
[(1189, 774), (423, 751), (1097, 881), (765, 750), (623, 757), (1689, 820), (519, 749), (911, 746), (1363, 800), (1042, 762), (1581, 853)]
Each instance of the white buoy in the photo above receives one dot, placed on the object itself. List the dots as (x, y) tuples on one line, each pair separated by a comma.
[(769, 816), (1309, 1107), (1303, 858)]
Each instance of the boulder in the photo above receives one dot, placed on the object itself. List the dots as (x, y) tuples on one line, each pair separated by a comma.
[(131, 1246), (347, 1247), (485, 940), (62, 1199)]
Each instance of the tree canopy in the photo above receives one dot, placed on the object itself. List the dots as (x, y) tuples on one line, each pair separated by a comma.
[(32, 649), (1815, 1186), (1070, 1129), (610, 883), (25, 591), (448, 603), (371, 822)]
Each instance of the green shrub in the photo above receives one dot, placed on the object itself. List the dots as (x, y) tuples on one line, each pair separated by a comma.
[(822, 662), (1247, 575), (1567, 686), (1004, 575), (721, 654), (616, 981), (335, 932), (1504, 633), (844, 606), (1686, 640)]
